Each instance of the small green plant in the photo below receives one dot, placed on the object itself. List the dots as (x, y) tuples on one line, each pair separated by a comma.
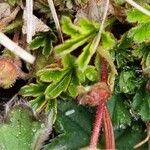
[(77, 79)]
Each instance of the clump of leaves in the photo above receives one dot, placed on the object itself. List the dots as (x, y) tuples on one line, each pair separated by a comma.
[(79, 66)]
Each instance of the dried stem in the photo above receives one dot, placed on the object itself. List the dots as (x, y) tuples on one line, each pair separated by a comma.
[(146, 139), (56, 20), (140, 8), (12, 46), (101, 26), (29, 9)]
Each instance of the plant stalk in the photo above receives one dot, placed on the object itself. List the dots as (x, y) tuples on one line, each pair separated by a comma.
[(97, 127), (108, 130)]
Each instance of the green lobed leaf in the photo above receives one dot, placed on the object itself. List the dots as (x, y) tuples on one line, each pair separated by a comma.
[(48, 47), (44, 41), (37, 42), (91, 73), (51, 74), (74, 130), (85, 57), (127, 82), (71, 44), (119, 112), (69, 61), (141, 103), (72, 88), (108, 41), (32, 89), (69, 28), (135, 15), (19, 132), (38, 102), (140, 33), (56, 88)]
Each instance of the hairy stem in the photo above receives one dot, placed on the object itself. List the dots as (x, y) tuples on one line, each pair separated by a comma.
[(97, 126), (100, 109), (108, 130)]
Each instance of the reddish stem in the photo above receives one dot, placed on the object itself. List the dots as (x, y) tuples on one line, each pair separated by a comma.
[(104, 72), (108, 130), (100, 109), (102, 113), (97, 126)]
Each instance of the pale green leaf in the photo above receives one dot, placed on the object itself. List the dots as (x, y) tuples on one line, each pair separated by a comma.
[(135, 15), (32, 89), (71, 44), (56, 88), (141, 33), (51, 74), (108, 41)]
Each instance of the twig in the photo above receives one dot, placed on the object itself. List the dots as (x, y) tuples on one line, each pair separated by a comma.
[(140, 8), (146, 139), (55, 17), (142, 142), (101, 26), (29, 9), (9, 44)]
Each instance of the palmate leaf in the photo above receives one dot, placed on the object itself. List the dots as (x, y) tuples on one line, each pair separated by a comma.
[(123, 52), (141, 32), (127, 82), (56, 88), (19, 133), (82, 34), (134, 15), (74, 130), (141, 103), (60, 80), (44, 41), (119, 112), (33, 90), (51, 74)]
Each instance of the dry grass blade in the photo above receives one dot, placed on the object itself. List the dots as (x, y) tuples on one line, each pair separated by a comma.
[(9, 44), (54, 14), (101, 26), (137, 6), (29, 9)]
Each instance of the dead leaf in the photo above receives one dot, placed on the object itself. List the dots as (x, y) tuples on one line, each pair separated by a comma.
[(5, 21), (38, 25), (5, 10)]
